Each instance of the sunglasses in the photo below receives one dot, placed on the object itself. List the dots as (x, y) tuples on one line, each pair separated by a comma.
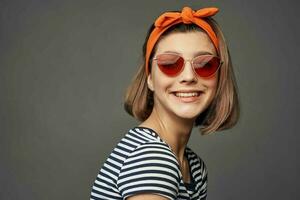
[(172, 64)]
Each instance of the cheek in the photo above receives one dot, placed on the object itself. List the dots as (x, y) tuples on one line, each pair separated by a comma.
[(212, 82), (161, 82), (211, 85)]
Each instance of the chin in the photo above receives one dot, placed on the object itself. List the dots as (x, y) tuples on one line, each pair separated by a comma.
[(188, 115)]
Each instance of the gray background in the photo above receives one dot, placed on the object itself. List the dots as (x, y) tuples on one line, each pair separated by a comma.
[(64, 66)]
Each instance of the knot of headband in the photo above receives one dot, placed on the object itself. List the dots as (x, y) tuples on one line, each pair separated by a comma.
[(186, 16)]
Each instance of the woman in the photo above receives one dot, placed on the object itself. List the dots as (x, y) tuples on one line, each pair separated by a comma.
[(186, 80)]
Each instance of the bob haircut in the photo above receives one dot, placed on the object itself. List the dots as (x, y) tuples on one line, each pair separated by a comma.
[(221, 114)]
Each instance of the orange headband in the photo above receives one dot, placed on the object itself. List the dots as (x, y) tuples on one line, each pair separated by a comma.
[(187, 16)]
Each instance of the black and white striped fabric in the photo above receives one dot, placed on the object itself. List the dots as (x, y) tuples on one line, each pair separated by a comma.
[(143, 163)]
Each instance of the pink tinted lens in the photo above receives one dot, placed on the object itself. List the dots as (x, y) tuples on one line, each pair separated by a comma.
[(170, 64), (206, 65)]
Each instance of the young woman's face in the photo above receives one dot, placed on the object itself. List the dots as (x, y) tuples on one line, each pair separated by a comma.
[(175, 95)]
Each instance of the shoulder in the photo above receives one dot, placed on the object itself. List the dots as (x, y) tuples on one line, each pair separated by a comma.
[(150, 148), (134, 139), (150, 168), (149, 153)]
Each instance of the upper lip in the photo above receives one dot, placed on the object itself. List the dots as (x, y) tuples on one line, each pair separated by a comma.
[(187, 91)]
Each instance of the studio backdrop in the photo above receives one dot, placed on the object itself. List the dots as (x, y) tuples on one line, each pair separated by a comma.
[(64, 68)]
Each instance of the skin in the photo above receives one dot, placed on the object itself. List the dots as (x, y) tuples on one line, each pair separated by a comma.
[(172, 118)]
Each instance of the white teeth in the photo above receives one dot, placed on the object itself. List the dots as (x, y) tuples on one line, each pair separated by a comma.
[(187, 94)]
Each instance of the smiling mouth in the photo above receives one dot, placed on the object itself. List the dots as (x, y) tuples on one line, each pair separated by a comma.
[(187, 94)]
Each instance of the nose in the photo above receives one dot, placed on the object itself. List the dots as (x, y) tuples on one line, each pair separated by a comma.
[(188, 75)]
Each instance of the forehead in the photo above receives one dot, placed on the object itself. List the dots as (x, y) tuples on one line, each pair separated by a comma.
[(187, 43)]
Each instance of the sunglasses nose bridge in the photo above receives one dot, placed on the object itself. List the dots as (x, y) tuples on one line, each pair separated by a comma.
[(188, 60), (188, 72)]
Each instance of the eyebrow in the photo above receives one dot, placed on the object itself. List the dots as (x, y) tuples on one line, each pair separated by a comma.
[(198, 53), (203, 53)]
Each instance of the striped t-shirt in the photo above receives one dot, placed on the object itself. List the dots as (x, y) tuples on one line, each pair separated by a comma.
[(143, 163)]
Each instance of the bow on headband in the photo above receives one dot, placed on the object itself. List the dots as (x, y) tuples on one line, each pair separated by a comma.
[(187, 16)]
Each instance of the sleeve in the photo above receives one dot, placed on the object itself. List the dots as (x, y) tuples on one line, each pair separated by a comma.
[(150, 168)]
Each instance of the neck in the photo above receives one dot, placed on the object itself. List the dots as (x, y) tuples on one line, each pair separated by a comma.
[(173, 130)]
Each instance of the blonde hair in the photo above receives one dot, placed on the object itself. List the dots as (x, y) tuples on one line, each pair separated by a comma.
[(221, 114)]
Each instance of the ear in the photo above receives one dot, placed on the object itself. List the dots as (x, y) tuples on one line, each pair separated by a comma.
[(150, 82)]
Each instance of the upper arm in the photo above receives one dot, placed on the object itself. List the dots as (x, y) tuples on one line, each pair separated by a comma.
[(151, 172)]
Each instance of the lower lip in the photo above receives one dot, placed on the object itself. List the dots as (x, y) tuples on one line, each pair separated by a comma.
[(188, 99)]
